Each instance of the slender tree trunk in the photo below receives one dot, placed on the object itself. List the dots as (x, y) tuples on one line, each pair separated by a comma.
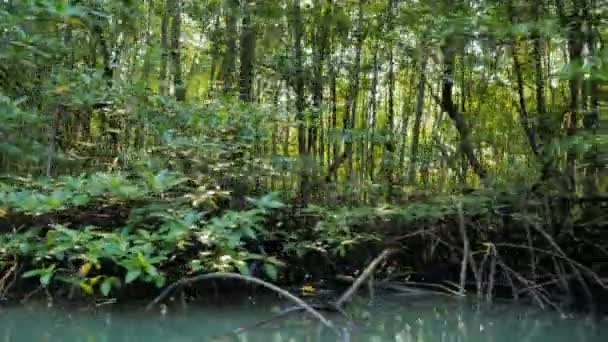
[(575, 40), (373, 110), (351, 105), (164, 46), (575, 48), (176, 54), (300, 101), (52, 136), (334, 112), (391, 100), (147, 68), (299, 77), (420, 96), (108, 71), (321, 41), (447, 104), (229, 62), (591, 118), (215, 46), (247, 52), (523, 112), (405, 115), (538, 44), (389, 147)]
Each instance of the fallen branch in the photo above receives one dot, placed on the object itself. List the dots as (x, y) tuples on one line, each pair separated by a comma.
[(348, 294), (334, 307), (301, 305), (249, 279)]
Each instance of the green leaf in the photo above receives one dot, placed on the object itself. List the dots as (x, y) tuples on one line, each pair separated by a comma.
[(159, 281), (271, 271), (87, 288), (243, 269), (32, 273), (45, 280), (106, 287), (151, 270), (132, 275)]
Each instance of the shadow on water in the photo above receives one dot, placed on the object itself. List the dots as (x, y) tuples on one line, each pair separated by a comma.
[(391, 318)]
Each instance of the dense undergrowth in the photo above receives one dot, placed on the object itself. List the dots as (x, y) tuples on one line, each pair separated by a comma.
[(106, 233), (471, 148)]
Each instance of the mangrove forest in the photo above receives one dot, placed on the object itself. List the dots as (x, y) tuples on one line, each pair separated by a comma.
[(170, 151)]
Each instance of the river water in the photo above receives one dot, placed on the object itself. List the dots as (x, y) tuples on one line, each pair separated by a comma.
[(389, 318)]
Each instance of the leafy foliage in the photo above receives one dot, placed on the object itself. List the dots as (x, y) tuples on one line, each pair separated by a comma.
[(145, 140)]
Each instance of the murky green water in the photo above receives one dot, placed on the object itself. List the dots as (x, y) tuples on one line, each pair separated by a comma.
[(393, 318)]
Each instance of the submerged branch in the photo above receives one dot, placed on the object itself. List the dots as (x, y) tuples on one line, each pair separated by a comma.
[(248, 279), (284, 314), (414, 288), (348, 294)]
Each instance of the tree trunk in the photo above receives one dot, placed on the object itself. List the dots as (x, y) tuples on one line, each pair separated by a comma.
[(575, 38), (247, 51), (351, 103), (299, 77), (538, 44), (419, 108), (405, 115), (147, 68), (321, 39), (176, 55), (523, 112), (334, 112), (373, 110), (229, 62), (447, 104), (164, 46)]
